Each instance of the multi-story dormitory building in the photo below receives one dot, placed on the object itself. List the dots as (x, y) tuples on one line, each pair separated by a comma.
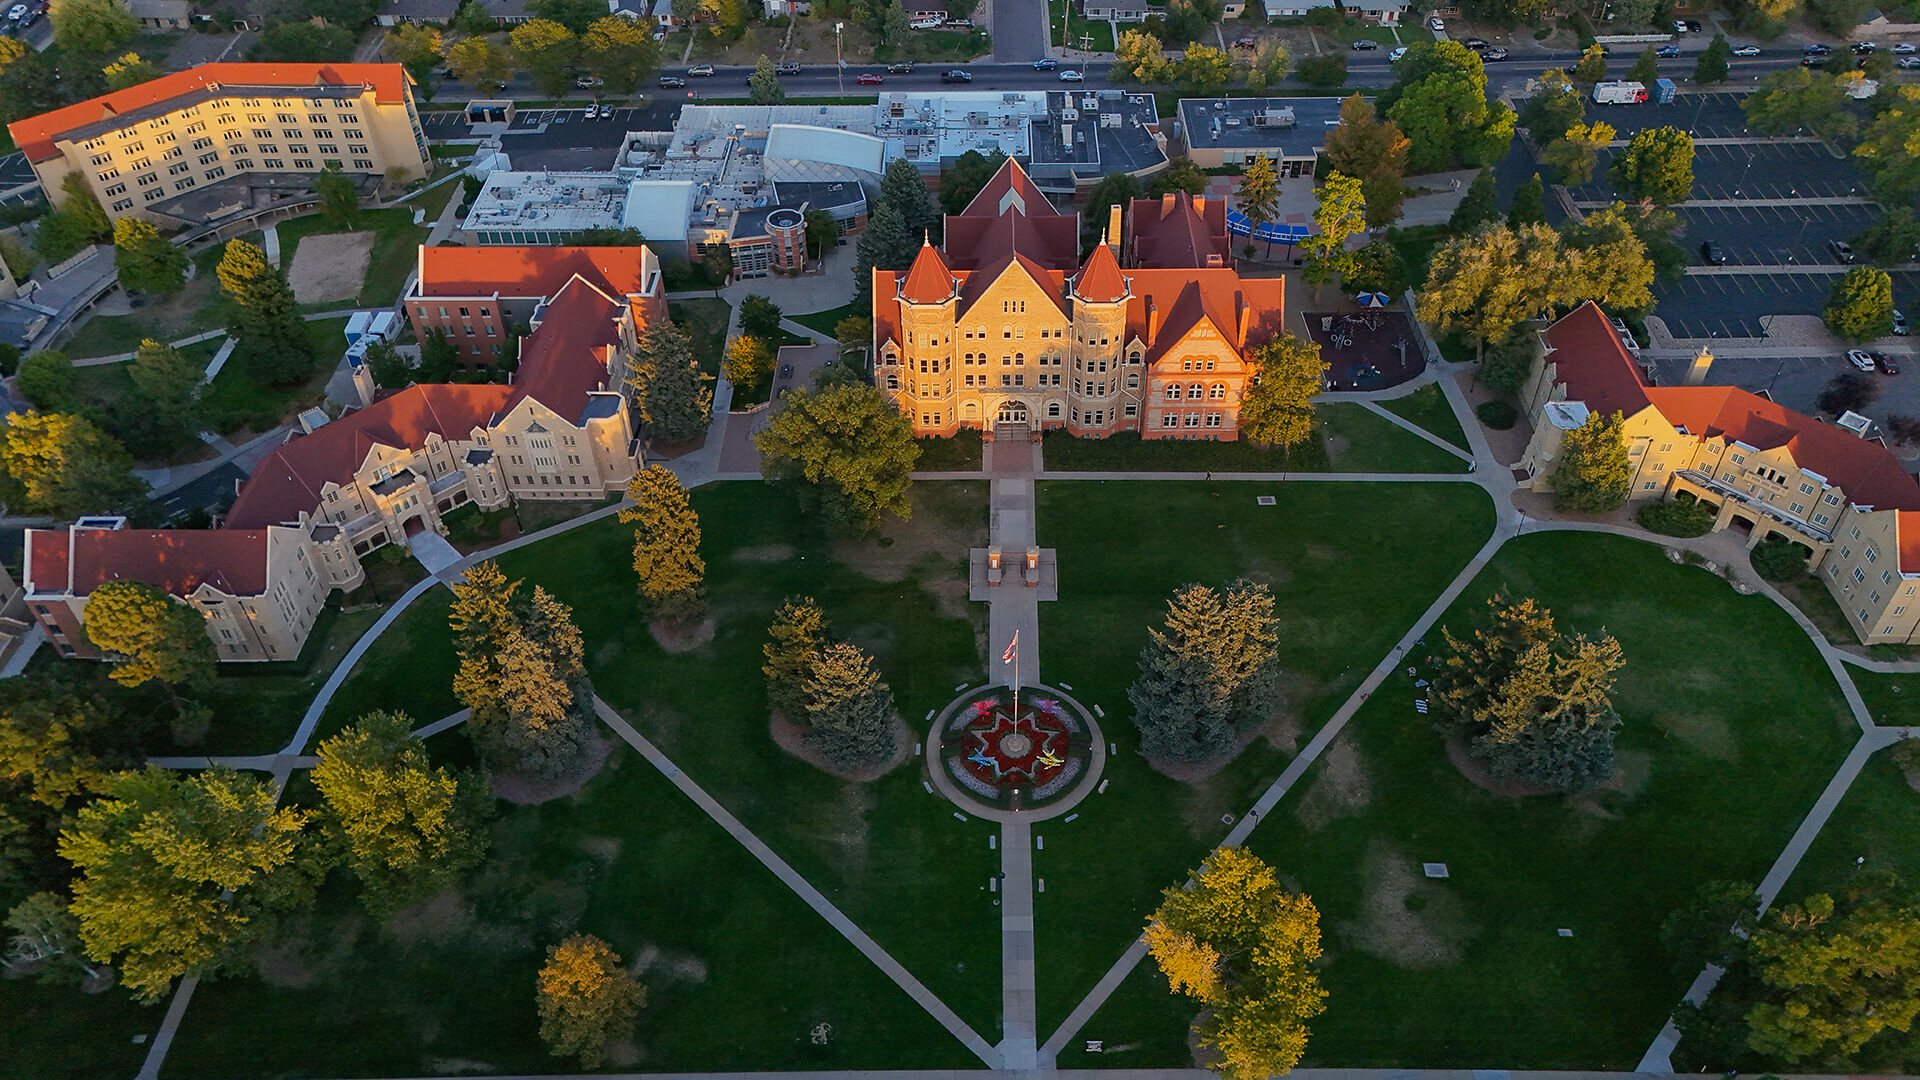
[(1765, 471), (315, 506), (1008, 326), (155, 149)]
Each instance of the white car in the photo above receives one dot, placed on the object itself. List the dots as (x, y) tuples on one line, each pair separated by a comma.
[(1860, 358), (1434, 24), (1071, 76), (1905, 48), (1394, 56), (1908, 61), (17, 12), (1747, 50)]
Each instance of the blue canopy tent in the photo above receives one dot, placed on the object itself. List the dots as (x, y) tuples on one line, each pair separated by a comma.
[(1238, 224)]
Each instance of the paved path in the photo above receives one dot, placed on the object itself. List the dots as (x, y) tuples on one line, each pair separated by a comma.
[(121, 358), (800, 885), (1402, 422), (432, 551), (1019, 1022)]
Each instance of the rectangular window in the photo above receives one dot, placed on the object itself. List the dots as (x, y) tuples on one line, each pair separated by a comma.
[(358, 150), (122, 204), (202, 143), (1873, 553), (1859, 576), (117, 189)]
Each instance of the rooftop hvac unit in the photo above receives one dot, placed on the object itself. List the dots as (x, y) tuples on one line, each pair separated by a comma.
[(1110, 120), (1089, 103), (1233, 121), (1069, 114)]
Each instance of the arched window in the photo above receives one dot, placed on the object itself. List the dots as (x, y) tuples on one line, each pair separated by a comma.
[(1133, 380), (893, 380), (1193, 392), (1019, 358), (1173, 393), (969, 411), (1217, 391), (1133, 357), (1053, 409)]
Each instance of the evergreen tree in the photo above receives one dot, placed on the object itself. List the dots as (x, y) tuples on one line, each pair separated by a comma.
[(152, 635), (439, 357), (409, 828), (1506, 365), (883, 245), (903, 188), (1181, 174), (763, 86), (1277, 409), (961, 181), (1209, 674), (1115, 188), (586, 999), (178, 873), (849, 710), (1373, 151), (388, 368), (522, 672), (1645, 69), (339, 196), (1245, 947), (760, 317), (666, 544), (169, 413), (1479, 206), (47, 379), (675, 398), (1594, 475), (63, 465), (1259, 191), (1529, 205), (1532, 703), (273, 339), (147, 261), (1713, 65), (795, 640), (850, 452)]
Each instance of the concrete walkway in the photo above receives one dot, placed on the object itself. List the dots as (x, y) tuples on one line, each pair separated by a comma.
[(432, 551)]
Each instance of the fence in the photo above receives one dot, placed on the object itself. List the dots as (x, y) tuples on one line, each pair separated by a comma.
[(1428, 348)]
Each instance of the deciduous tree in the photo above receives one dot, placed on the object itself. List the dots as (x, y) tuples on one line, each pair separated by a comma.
[(1486, 283), (150, 635), (1575, 154), (1594, 475), (129, 70), (46, 936), (795, 639), (1889, 150), (418, 48), (749, 362), (1529, 206), (339, 195), (586, 998), (147, 261), (1277, 407), (576, 15), (547, 50), (62, 465), (1558, 106), (58, 745), (1605, 261), (479, 61), (407, 826), (849, 711), (849, 451), (1860, 307), (1657, 165), (1240, 943), (1208, 674), (1531, 702), (178, 872), (1326, 71), (79, 221), (1259, 192), (300, 41), (1892, 240), (964, 179), (620, 52), (1788, 100), (1140, 57), (1340, 213), (1374, 152), (47, 380), (1181, 174), (1592, 65), (666, 544), (91, 27)]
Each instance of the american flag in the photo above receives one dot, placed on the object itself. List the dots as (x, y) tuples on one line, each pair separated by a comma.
[(1013, 649)]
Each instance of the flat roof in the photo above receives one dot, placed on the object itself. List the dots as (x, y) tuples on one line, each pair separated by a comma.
[(1095, 133), (556, 201), (1292, 127)]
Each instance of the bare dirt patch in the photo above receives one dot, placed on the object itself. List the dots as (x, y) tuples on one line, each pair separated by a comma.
[(1708, 734), (603, 848), (659, 963), (678, 637), (460, 1066), (900, 545), (791, 737), (764, 553), (1406, 919), (525, 789), (330, 266), (1340, 788), (445, 916)]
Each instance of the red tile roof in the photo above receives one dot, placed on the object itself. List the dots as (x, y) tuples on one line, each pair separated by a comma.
[(1246, 311), (984, 234), (1177, 230), (1589, 355), (928, 281), (529, 271), (288, 481), (37, 134), (1100, 281), (177, 560), (565, 358), (1011, 177)]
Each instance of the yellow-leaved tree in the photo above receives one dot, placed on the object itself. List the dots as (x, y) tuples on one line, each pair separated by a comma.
[(586, 998)]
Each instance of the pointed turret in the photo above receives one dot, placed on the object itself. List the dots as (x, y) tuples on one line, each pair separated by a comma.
[(928, 280), (1100, 281)]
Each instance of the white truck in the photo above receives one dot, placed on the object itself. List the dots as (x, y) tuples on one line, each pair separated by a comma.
[(1619, 93)]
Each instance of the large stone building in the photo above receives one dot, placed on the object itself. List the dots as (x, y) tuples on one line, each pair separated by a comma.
[(215, 140), (332, 494), (1765, 471), (1007, 325), (477, 295)]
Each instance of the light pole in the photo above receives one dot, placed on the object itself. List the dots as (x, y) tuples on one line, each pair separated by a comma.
[(839, 65)]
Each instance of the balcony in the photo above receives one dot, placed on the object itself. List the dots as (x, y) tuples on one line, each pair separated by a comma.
[(1756, 505), (442, 485), (363, 523)]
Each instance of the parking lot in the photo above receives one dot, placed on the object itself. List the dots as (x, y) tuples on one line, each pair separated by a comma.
[(1774, 235), (541, 139), (1737, 305), (1796, 381), (1763, 170)]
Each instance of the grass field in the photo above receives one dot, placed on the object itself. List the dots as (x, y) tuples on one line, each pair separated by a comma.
[(1340, 605), (740, 972), (410, 670), (1360, 441), (236, 401), (197, 307), (962, 451), (705, 321), (57, 1031), (1877, 821), (1718, 764), (1893, 700), (1428, 408), (825, 321)]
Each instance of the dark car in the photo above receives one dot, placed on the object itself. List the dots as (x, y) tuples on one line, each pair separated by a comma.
[(1476, 44), (1862, 48), (1812, 61), (1364, 45), (1045, 63), (671, 82), (786, 371), (1711, 254), (1667, 50), (1842, 251), (1494, 55), (1887, 364), (899, 69), (956, 76), (1817, 49)]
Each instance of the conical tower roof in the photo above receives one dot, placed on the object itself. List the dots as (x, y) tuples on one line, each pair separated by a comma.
[(928, 280), (1100, 281)]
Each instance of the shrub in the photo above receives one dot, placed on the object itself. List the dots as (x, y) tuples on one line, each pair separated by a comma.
[(1498, 415), (1779, 560), (1675, 518)]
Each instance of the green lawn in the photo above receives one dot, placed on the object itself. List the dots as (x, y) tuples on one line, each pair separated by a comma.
[(741, 974), (889, 852), (705, 321), (395, 245), (1361, 442), (1719, 760), (57, 1031), (199, 306), (962, 451), (236, 401), (825, 321), (1878, 819), (1893, 700), (1427, 407), (1341, 600)]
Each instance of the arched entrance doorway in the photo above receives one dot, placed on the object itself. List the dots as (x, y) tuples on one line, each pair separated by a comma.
[(1011, 420), (414, 526)]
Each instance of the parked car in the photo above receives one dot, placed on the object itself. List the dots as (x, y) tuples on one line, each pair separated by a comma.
[(1476, 44), (1860, 358), (1679, 26), (956, 76), (1071, 76), (1817, 49), (703, 70), (1747, 50), (671, 82), (1245, 43), (1364, 45), (17, 12), (606, 112), (786, 371), (868, 78), (899, 69), (1437, 25), (1711, 254), (1842, 251), (1494, 55), (1899, 322), (1862, 48), (1908, 61), (1667, 51), (1045, 63), (1395, 56), (1692, 25), (788, 68), (1905, 48), (1887, 364)]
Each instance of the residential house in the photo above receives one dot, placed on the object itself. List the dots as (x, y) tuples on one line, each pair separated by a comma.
[(161, 14), (1119, 11), (395, 12)]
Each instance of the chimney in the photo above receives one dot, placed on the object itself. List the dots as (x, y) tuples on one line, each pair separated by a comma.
[(1153, 320), (1243, 310), (1166, 204), (1697, 371), (1113, 228)]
